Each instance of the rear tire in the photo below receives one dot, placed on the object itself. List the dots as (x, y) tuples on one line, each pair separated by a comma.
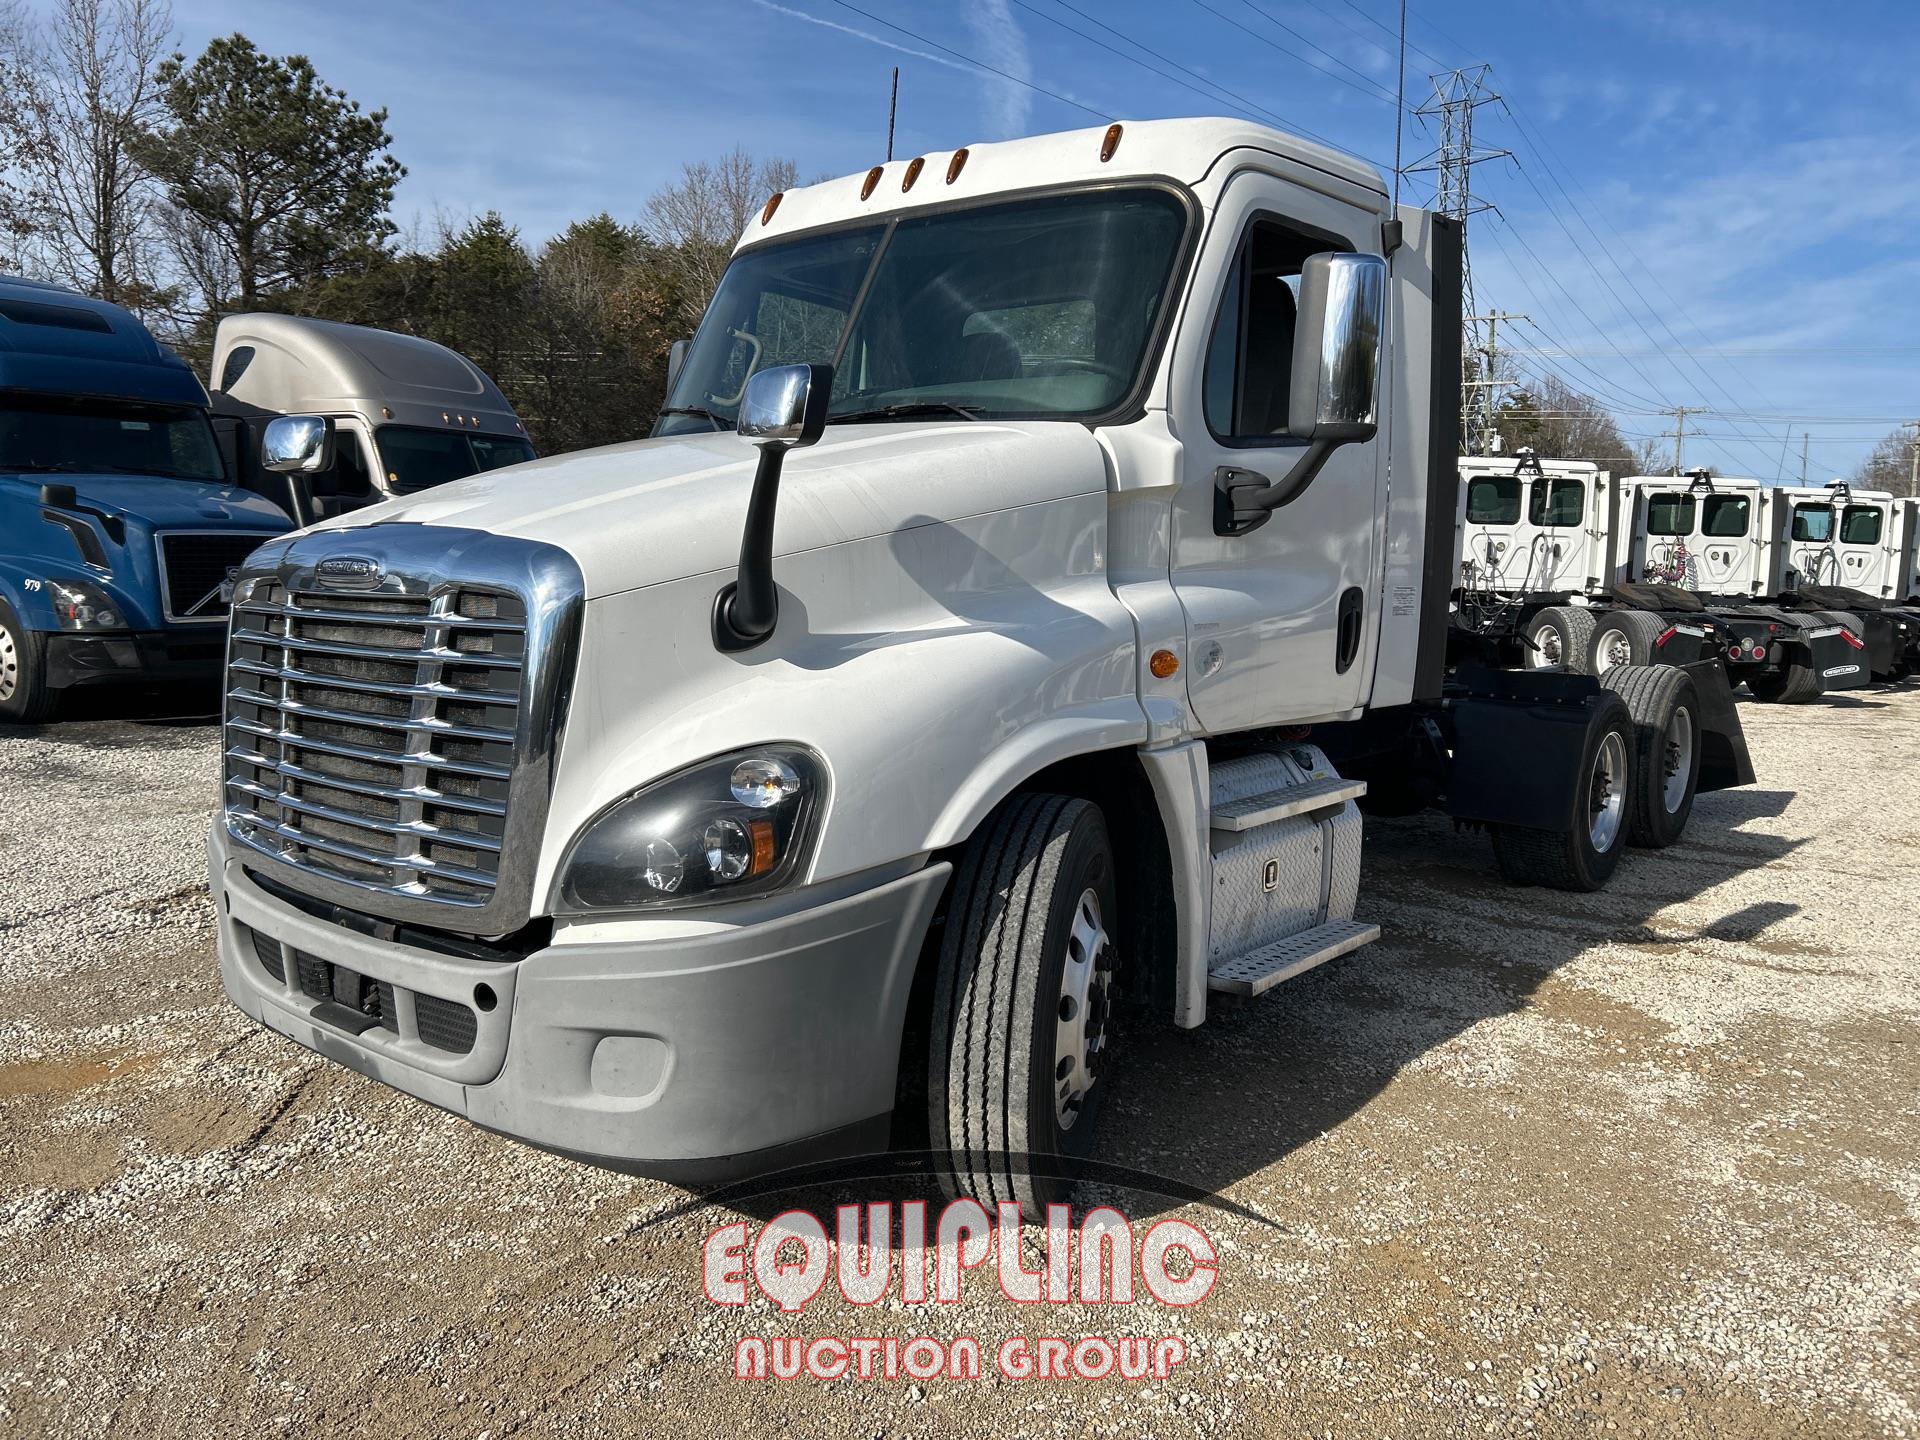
[(1584, 856), (1665, 706), (1794, 683), (1559, 638), (1623, 637), (1023, 1000), (24, 696)]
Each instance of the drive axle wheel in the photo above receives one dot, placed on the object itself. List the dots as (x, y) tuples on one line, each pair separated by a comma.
[(1665, 706), (24, 696), (1582, 856), (1624, 637), (1558, 638), (1022, 1036)]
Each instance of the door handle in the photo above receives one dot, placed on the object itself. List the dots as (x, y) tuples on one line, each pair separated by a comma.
[(1347, 633)]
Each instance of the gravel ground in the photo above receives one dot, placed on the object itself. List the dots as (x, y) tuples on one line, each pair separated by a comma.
[(1638, 1163)]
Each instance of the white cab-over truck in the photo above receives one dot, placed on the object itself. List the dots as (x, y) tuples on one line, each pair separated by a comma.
[(1043, 547)]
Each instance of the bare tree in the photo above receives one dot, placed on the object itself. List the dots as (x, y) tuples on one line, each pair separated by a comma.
[(1891, 464), (696, 220), (74, 94)]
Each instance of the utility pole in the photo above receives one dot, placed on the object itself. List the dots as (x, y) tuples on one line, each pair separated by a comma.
[(893, 107), (1490, 378), (1913, 472), (1803, 457), (1680, 413), (1456, 95)]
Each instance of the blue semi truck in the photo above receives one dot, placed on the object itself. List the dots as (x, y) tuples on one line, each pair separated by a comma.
[(121, 520)]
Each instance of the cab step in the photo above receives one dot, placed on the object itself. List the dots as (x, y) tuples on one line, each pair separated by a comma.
[(1284, 803), (1260, 970)]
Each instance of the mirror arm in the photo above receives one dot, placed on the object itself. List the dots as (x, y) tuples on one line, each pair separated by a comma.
[(1244, 501), (746, 611)]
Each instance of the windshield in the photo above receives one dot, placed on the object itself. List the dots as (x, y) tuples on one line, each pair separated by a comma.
[(1028, 309), (416, 459), (59, 434)]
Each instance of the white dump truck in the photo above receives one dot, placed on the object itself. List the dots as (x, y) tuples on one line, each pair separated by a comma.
[(1043, 547), (404, 413)]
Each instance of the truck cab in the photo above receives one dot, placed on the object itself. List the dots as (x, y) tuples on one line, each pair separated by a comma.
[(1533, 526), (1043, 549), (1702, 533), (407, 414), (1835, 537), (121, 527)]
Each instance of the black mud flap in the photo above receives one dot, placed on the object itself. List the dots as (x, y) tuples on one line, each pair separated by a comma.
[(1883, 641), (1838, 663), (1517, 736), (1724, 762)]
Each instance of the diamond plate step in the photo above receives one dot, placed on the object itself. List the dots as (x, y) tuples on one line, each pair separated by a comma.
[(1260, 971), (1264, 809)]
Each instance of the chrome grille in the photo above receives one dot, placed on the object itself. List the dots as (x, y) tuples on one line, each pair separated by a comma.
[(385, 747)]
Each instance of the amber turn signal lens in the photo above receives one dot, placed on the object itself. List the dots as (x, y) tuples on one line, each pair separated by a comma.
[(762, 833), (1163, 664)]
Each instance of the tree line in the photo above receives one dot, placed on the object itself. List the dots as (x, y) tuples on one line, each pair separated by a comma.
[(187, 188)]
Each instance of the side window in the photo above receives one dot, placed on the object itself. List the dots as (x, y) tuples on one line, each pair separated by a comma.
[(1493, 500), (350, 476), (238, 359), (1250, 357), (1860, 525), (1725, 516), (1669, 513), (1557, 501), (1813, 522)]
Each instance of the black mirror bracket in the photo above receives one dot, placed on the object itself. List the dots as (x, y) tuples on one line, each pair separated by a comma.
[(1243, 500), (747, 609)]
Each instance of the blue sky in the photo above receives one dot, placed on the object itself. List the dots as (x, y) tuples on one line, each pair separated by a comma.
[(1714, 203)]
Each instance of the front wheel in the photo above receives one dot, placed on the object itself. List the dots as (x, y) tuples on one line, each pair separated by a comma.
[(1022, 1040), (24, 696)]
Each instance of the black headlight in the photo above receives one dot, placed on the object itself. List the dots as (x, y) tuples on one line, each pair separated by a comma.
[(736, 825)]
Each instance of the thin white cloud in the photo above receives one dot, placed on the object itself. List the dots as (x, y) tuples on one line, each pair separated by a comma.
[(1011, 106), (866, 35)]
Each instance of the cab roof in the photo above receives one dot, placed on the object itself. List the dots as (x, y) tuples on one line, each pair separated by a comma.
[(59, 342), (290, 364), (1181, 150)]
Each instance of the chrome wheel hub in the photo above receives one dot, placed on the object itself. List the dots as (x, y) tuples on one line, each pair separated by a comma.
[(1081, 1029), (1677, 757), (1547, 650), (1607, 792), (9, 664), (1613, 649)]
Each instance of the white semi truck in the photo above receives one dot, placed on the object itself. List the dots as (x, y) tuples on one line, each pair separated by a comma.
[(1562, 566), (1043, 547)]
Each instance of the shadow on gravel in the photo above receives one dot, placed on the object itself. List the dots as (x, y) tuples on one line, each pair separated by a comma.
[(156, 706), (1266, 1076)]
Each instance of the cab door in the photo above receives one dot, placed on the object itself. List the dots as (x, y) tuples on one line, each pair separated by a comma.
[(1282, 621), (1861, 546), (1670, 518), (1557, 513), (1725, 550)]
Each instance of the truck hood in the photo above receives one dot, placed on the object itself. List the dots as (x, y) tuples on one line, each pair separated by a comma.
[(656, 510), (165, 504)]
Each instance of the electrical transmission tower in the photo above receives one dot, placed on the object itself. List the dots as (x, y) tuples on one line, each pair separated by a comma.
[(1456, 95)]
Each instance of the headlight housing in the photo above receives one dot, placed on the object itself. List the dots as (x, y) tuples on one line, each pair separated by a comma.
[(736, 825), (80, 606)]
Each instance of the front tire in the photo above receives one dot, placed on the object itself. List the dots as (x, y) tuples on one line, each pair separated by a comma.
[(1023, 1002), (24, 696)]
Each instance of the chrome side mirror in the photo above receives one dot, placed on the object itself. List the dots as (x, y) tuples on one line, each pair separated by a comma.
[(1336, 348), (786, 406), (297, 445)]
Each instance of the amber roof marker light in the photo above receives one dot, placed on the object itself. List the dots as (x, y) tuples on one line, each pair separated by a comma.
[(1111, 143), (773, 204), (873, 179), (914, 167), (954, 165)]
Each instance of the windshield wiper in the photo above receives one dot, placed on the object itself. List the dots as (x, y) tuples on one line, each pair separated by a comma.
[(907, 410), (719, 422)]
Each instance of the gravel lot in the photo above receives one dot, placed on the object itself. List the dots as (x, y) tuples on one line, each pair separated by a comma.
[(1639, 1163)]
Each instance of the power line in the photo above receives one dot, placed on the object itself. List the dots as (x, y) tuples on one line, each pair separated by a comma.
[(1367, 80), (1370, 89)]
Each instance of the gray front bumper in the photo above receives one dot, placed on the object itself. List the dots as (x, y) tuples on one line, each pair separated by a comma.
[(699, 1058)]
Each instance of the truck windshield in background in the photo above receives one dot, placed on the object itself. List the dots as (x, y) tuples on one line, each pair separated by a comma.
[(76, 435), (1042, 308), (417, 459)]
